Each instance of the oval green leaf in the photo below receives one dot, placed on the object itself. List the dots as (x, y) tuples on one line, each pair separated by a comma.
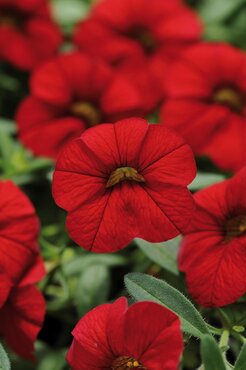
[(147, 288)]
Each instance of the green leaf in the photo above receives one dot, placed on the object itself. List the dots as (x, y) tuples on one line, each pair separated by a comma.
[(80, 263), (4, 360), (54, 360), (211, 354), (93, 288), (147, 288), (68, 13), (163, 254), (218, 10), (203, 180), (7, 125), (241, 360)]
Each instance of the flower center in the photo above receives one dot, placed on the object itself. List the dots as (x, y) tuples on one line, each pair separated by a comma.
[(145, 38), (126, 363), (86, 111), (10, 17), (235, 227), (230, 97), (122, 174)]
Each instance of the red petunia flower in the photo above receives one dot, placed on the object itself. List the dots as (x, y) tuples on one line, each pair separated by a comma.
[(207, 103), (125, 180), (113, 336), (21, 304), (19, 227), (22, 310), (68, 95), (27, 33), (137, 36), (124, 31), (213, 253)]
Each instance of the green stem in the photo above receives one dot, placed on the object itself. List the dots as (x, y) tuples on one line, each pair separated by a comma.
[(224, 339)]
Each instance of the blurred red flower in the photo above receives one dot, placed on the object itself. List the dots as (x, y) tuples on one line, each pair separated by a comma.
[(113, 336), (22, 310), (206, 103), (28, 35), (125, 180), (124, 31), (22, 306), (213, 253), (19, 227), (139, 38), (69, 94)]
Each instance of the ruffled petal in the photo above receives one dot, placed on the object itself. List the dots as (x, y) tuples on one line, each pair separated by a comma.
[(25, 311)]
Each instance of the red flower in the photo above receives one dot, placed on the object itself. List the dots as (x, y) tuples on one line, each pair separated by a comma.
[(22, 309), (124, 180), (207, 103), (27, 33), (137, 35), (21, 304), (123, 31), (113, 336), (213, 253), (70, 94), (19, 229)]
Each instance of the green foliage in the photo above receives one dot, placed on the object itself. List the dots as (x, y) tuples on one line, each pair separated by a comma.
[(241, 360), (68, 13), (93, 288), (4, 360), (211, 354), (16, 162), (203, 180), (219, 10), (163, 254), (147, 288)]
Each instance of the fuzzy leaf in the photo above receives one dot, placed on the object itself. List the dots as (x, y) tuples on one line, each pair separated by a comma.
[(147, 288)]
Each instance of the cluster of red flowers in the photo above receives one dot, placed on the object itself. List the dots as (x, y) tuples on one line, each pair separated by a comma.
[(126, 179)]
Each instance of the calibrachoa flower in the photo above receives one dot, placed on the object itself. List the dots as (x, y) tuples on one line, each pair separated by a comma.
[(207, 103), (113, 336), (27, 33), (19, 227), (69, 94), (137, 35), (22, 306), (213, 253), (22, 309), (125, 180)]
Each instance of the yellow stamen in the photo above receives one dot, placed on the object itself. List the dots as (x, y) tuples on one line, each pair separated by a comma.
[(126, 363), (235, 227), (87, 111), (231, 97), (122, 174)]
